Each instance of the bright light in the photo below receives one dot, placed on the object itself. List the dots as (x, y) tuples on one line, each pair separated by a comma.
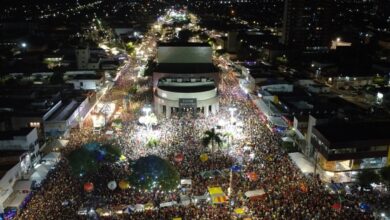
[(379, 95), (24, 45), (383, 214), (232, 110), (338, 39), (147, 110)]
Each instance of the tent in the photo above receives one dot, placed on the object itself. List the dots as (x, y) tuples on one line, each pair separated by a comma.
[(40, 172), (255, 194), (167, 204), (52, 156), (287, 139), (185, 181), (139, 208), (185, 200), (195, 199), (217, 195)]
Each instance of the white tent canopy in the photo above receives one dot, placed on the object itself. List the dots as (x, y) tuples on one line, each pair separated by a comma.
[(52, 156), (168, 204), (287, 139), (41, 172), (302, 163), (185, 181), (254, 193)]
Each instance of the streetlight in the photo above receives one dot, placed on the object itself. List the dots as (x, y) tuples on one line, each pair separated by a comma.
[(147, 110), (24, 45), (232, 110)]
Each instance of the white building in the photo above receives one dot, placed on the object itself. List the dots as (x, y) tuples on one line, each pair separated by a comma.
[(22, 139), (87, 82), (66, 117), (185, 79)]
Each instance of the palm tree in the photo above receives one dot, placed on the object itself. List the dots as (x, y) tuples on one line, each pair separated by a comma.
[(210, 136)]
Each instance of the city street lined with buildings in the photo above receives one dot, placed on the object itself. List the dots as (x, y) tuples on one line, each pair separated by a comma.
[(208, 110), (252, 162)]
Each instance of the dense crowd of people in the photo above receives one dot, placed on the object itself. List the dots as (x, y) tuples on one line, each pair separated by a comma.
[(255, 149)]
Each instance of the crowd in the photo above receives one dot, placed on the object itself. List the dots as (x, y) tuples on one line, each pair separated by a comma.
[(288, 193)]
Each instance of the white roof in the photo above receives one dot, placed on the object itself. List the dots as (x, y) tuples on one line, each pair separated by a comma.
[(109, 132), (185, 181), (253, 193), (168, 204), (52, 156), (17, 200), (302, 163), (287, 139), (22, 185), (40, 173)]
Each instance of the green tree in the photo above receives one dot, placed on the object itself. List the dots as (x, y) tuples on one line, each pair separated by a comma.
[(82, 162), (366, 177), (385, 174), (130, 48), (154, 172), (212, 137), (112, 153)]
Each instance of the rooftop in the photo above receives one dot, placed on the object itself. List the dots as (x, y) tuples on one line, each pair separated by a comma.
[(182, 44), (186, 68), (186, 89), (9, 135), (341, 135)]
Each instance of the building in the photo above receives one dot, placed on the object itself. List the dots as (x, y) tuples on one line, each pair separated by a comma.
[(185, 79), (87, 82), (60, 109), (344, 148), (85, 60), (306, 25)]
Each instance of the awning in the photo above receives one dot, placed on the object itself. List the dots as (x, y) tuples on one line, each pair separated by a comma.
[(302, 163)]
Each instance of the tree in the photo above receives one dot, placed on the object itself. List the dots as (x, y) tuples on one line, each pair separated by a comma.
[(212, 137), (82, 162), (385, 174), (153, 172), (366, 177), (112, 153), (89, 158)]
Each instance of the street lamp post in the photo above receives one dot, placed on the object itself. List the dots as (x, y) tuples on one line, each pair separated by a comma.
[(147, 110), (232, 110)]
